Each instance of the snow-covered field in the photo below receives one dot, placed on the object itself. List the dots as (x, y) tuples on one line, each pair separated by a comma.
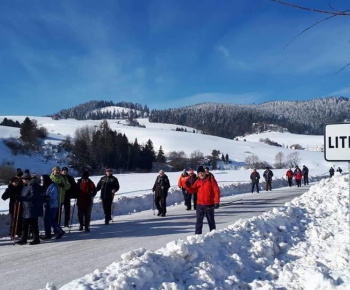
[(304, 245)]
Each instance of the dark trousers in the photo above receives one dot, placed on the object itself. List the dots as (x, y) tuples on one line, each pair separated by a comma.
[(84, 216), (34, 226), (208, 212), (107, 209), (257, 186), (290, 182), (306, 179), (268, 185), (160, 202), (184, 192), (298, 181), (188, 200), (66, 206)]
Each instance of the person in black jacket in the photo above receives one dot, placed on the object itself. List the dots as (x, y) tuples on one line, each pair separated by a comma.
[(70, 194), (268, 178), (305, 172), (108, 185), (32, 201), (13, 192), (160, 189), (254, 177)]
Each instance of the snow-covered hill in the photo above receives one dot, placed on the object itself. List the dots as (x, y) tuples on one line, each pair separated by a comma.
[(165, 135)]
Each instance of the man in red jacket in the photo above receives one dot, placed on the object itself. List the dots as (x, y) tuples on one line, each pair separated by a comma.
[(208, 199)]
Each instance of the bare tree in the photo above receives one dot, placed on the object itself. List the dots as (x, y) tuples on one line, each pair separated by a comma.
[(293, 159), (279, 160), (178, 160), (252, 161), (196, 159)]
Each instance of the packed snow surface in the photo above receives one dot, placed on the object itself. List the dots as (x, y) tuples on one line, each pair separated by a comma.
[(302, 245)]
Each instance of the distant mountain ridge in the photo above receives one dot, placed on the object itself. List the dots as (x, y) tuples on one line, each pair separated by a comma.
[(230, 120)]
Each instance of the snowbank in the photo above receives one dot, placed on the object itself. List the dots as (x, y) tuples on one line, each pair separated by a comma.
[(303, 245)]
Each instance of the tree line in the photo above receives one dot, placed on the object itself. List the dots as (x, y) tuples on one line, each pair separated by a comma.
[(232, 120)]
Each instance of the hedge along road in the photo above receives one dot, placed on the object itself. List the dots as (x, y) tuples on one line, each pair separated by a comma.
[(80, 253)]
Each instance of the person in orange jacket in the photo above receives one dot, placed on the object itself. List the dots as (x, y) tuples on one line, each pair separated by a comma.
[(182, 185), (208, 199), (290, 175)]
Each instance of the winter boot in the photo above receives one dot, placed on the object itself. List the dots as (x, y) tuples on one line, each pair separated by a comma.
[(21, 242), (35, 242)]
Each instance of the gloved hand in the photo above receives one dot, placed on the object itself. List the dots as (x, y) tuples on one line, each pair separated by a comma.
[(217, 205)]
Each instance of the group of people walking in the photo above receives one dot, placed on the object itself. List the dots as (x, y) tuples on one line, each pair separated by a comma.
[(331, 171), (255, 179), (298, 174), (32, 197)]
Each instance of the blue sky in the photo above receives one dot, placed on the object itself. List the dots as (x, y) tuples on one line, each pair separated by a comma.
[(167, 53)]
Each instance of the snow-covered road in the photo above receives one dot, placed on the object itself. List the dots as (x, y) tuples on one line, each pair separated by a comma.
[(76, 254)]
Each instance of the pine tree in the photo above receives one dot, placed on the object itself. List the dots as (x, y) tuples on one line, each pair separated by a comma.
[(160, 156), (28, 131), (214, 158)]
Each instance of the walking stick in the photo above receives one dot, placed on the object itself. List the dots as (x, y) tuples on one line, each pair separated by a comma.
[(17, 207), (154, 213), (71, 219)]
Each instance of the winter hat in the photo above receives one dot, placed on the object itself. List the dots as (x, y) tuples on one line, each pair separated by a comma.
[(65, 168), (161, 171), (184, 171), (200, 169), (85, 175), (26, 176), (19, 172), (14, 179), (46, 180), (56, 168), (191, 171)]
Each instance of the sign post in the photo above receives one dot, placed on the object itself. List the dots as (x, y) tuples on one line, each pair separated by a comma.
[(337, 147)]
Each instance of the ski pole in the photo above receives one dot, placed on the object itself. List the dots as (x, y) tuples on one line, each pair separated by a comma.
[(15, 220), (71, 219)]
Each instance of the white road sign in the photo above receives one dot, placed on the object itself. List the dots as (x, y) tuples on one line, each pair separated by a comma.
[(337, 142)]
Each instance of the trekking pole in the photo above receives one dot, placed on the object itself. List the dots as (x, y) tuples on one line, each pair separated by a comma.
[(17, 208), (71, 218), (154, 212)]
